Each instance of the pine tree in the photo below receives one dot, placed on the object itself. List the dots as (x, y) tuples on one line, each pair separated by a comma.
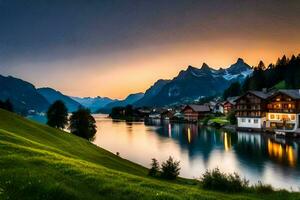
[(154, 170)]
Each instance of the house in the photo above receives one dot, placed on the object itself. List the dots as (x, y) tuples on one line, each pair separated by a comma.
[(154, 115), (166, 115), (283, 111), (216, 107), (194, 112), (178, 116), (251, 109), (229, 105)]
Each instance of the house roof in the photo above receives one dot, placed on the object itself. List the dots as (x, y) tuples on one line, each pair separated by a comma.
[(295, 94), (231, 100), (260, 94), (199, 108)]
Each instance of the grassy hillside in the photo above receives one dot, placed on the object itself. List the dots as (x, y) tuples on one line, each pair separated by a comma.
[(39, 162)]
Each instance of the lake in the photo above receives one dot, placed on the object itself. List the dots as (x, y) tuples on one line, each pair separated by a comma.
[(253, 155)]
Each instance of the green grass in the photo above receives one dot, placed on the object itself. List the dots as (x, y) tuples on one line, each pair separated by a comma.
[(219, 120), (280, 85), (39, 162)]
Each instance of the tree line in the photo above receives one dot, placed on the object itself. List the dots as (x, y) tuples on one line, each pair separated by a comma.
[(286, 71), (6, 105)]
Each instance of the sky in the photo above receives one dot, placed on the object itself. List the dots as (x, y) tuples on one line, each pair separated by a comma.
[(117, 47)]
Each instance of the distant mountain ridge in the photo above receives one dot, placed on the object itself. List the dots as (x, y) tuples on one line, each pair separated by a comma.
[(189, 85), (194, 83), (53, 95), (129, 100), (94, 103), (23, 95)]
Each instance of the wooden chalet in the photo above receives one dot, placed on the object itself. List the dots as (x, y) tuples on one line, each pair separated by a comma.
[(251, 110), (193, 113), (283, 110), (229, 105)]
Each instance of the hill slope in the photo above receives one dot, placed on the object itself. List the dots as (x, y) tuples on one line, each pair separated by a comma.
[(39, 162)]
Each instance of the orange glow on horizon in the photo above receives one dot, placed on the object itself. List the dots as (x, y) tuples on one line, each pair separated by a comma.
[(122, 73)]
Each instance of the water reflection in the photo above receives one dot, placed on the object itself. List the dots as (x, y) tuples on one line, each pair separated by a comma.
[(256, 156)]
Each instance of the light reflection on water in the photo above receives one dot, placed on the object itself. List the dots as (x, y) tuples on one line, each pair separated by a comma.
[(253, 155)]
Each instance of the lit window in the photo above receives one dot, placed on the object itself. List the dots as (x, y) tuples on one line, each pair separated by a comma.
[(290, 105), (293, 117), (278, 99)]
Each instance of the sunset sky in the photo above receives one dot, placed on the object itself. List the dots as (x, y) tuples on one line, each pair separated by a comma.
[(116, 47)]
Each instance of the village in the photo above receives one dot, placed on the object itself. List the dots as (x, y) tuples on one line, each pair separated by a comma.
[(260, 111)]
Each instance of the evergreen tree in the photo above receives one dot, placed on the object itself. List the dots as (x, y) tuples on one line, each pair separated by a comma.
[(154, 170), (6, 105), (83, 124), (233, 90), (170, 169), (57, 115)]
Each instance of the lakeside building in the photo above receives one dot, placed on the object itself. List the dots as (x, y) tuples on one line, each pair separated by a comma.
[(251, 110), (269, 111), (216, 107), (229, 105), (283, 111), (193, 113)]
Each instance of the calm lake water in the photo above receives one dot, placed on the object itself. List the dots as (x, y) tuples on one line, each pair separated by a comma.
[(253, 155)]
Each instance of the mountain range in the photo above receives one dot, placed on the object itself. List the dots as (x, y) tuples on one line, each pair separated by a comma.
[(189, 85), (94, 103), (194, 83), (129, 100), (23, 95), (52, 95)]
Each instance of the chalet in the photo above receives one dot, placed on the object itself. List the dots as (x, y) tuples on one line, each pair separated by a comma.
[(166, 115), (251, 110), (193, 112), (229, 105), (283, 111), (216, 107)]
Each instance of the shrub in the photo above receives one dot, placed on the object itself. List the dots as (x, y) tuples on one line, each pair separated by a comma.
[(263, 188), (231, 117), (170, 169), (154, 170), (216, 180), (206, 119)]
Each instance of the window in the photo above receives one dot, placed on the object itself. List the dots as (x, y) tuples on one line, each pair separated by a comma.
[(255, 121), (243, 120), (249, 120), (293, 117), (272, 116)]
